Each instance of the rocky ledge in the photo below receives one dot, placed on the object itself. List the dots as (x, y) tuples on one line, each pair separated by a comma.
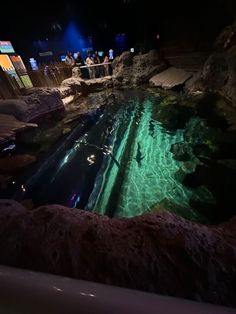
[(129, 69), (170, 78), (159, 253), (219, 71), (35, 103)]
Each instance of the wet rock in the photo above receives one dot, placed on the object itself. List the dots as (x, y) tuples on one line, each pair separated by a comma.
[(172, 116), (181, 151), (66, 131), (159, 253), (10, 164), (205, 141), (134, 70), (169, 206), (195, 84), (220, 181), (169, 100)]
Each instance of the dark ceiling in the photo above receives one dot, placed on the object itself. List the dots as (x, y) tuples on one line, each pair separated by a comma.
[(140, 19)]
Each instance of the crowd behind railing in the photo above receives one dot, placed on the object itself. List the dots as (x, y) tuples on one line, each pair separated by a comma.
[(53, 73), (97, 66)]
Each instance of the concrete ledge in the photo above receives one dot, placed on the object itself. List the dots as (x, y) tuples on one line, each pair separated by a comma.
[(170, 78)]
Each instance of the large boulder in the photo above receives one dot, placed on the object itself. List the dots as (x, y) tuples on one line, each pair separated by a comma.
[(36, 102), (160, 253), (78, 85), (219, 72), (130, 69), (16, 107), (75, 84), (98, 84), (42, 101)]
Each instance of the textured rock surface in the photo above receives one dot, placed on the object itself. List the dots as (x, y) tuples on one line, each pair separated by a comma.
[(64, 91), (161, 253), (35, 103), (78, 85), (170, 78), (219, 71), (76, 72), (130, 69), (42, 101), (16, 107), (75, 84), (9, 126)]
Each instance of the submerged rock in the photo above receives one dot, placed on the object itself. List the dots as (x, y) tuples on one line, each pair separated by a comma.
[(13, 163), (172, 115), (168, 206), (181, 151), (160, 253), (219, 179)]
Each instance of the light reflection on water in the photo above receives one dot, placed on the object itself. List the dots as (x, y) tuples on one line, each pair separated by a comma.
[(121, 165)]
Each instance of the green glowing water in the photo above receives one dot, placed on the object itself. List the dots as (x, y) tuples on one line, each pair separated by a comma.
[(146, 178)]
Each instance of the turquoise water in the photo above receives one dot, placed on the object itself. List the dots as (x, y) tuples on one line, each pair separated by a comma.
[(145, 179), (118, 161)]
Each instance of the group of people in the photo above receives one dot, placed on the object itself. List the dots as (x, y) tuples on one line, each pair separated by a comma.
[(92, 61)]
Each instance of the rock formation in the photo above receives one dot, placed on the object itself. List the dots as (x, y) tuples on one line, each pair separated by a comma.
[(160, 253), (35, 103), (219, 72), (78, 85), (135, 70)]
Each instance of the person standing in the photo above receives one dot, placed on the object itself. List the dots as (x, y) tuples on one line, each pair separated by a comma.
[(69, 59), (90, 63), (96, 60), (79, 60), (106, 66)]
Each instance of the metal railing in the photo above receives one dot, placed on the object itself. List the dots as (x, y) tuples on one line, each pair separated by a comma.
[(29, 292), (53, 78)]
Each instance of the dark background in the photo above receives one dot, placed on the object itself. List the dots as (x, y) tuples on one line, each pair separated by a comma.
[(199, 21)]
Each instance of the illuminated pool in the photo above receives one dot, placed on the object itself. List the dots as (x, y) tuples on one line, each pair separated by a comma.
[(118, 162)]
